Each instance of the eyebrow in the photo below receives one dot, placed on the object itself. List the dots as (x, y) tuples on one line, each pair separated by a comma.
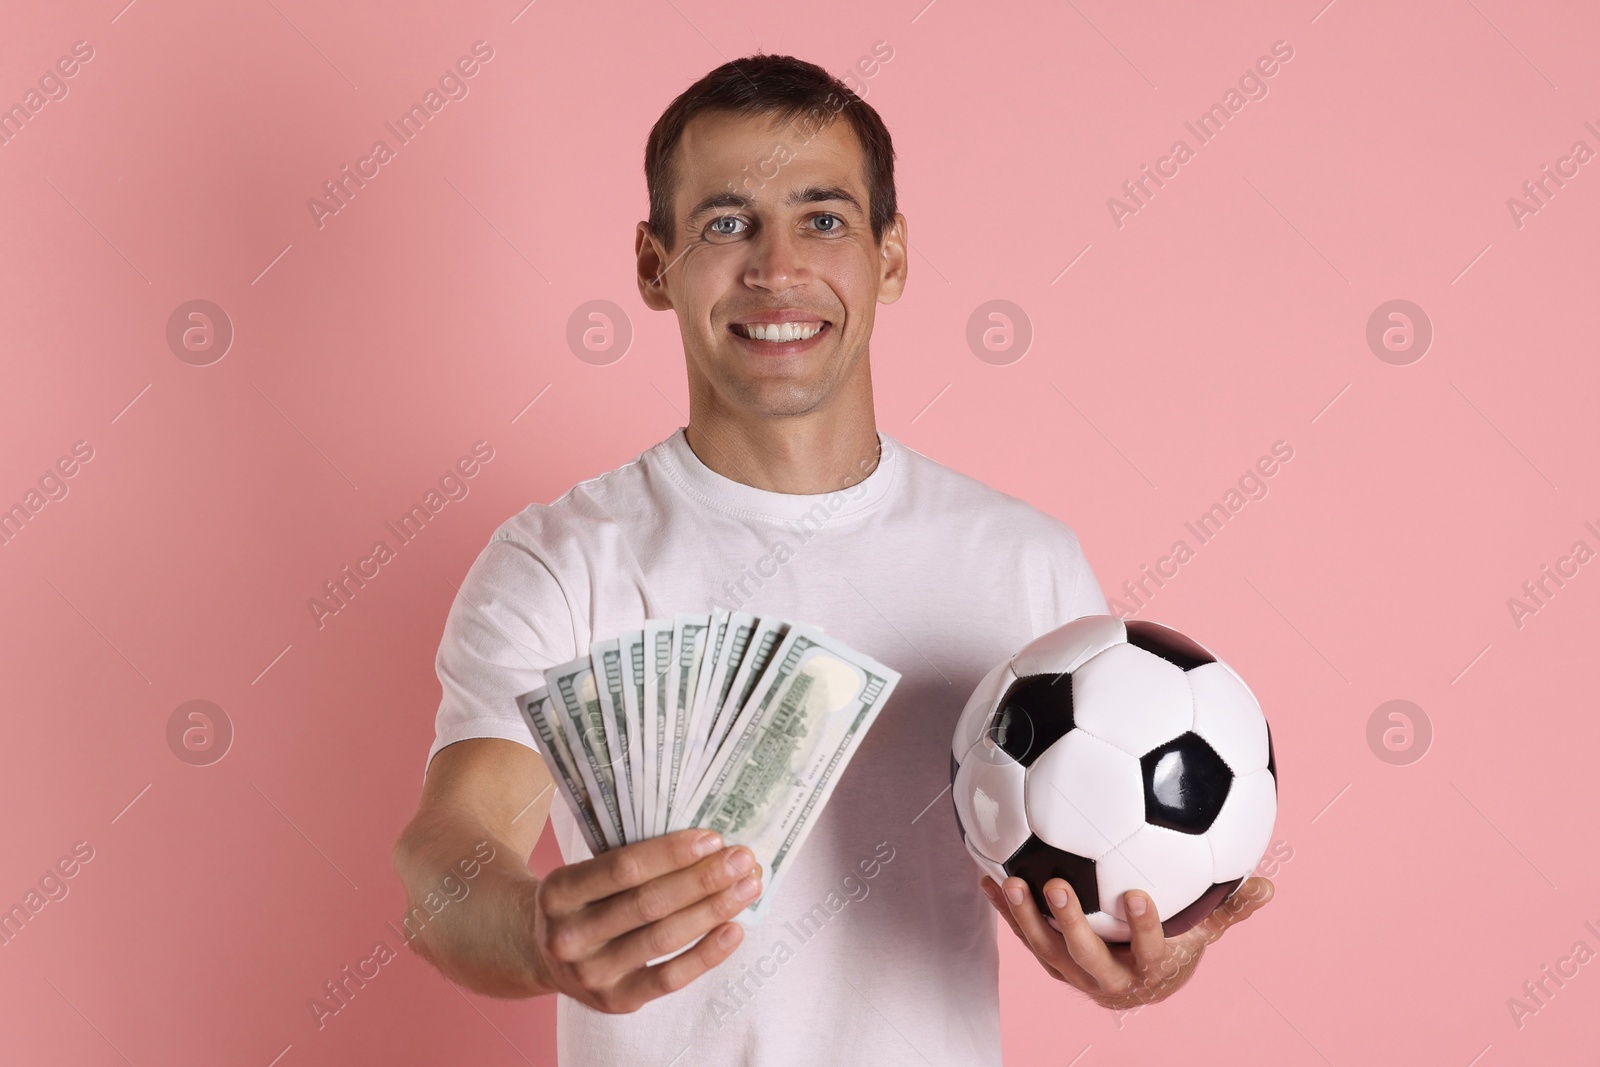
[(808, 194)]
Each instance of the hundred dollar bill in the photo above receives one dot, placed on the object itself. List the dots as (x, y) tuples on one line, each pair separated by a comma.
[(786, 749), (605, 657), (657, 667), (723, 657), (557, 753), (577, 700), (708, 661), (688, 648), (770, 636), (764, 638), (632, 643), (711, 646)]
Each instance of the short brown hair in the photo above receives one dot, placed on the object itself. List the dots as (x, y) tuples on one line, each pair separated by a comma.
[(786, 88)]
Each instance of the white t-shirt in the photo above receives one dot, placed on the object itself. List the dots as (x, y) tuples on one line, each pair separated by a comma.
[(879, 947)]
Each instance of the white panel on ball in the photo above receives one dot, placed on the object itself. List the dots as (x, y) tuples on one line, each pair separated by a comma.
[(985, 864), (1084, 795), (1132, 699), (988, 795), (1066, 648), (1243, 828), (1227, 716), (1108, 927), (1174, 868), (974, 718)]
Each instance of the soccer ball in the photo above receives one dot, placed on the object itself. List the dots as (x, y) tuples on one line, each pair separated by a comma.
[(1116, 755)]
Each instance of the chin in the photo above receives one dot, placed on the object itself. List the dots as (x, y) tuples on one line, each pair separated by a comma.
[(776, 399)]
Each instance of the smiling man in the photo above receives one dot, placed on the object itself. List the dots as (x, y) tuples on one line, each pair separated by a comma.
[(773, 236)]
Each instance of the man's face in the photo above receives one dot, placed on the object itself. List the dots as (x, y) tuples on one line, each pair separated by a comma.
[(774, 273)]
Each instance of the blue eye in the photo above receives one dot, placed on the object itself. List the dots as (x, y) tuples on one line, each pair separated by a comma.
[(834, 219), (716, 225)]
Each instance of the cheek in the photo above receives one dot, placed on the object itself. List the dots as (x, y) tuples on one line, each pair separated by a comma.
[(852, 273), (707, 276)]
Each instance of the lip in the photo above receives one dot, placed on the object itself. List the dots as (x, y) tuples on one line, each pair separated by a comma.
[(779, 315), (782, 348)]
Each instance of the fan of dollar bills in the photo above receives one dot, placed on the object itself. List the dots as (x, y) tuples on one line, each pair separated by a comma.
[(728, 721)]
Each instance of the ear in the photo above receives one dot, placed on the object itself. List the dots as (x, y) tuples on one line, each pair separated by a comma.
[(892, 259), (652, 266)]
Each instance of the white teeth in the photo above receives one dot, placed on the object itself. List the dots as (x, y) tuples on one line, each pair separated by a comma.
[(780, 331)]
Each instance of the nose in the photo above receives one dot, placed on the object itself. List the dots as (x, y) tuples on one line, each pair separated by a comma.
[(777, 261)]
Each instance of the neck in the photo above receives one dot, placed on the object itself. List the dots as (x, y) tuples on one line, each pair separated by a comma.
[(819, 452)]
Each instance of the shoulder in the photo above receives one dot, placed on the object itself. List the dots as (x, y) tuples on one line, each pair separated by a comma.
[(980, 508), (569, 530), (1038, 550)]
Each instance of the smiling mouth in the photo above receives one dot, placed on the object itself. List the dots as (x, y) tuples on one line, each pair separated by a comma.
[(778, 332)]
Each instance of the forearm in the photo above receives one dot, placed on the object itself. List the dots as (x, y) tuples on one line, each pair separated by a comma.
[(480, 936)]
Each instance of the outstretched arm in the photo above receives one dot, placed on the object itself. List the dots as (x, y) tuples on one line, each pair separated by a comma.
[(588, 929)]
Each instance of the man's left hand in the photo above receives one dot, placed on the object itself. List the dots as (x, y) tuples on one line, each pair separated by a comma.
[(1148, 969)]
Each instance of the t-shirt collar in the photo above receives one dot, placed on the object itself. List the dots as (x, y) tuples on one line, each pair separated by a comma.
[(707, 486)]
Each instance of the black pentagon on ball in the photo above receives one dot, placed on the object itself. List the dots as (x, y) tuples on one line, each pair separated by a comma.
[(1167, 643), (1204, 905), (1035, 713), (1185, 783), (1037, 862)]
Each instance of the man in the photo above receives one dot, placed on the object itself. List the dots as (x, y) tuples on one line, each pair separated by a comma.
[(772, 235)]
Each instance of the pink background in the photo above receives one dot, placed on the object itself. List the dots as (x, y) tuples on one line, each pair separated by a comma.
[(1228, 313)]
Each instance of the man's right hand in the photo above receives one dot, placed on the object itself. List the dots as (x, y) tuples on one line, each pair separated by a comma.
[(597, 924), (589, 929)]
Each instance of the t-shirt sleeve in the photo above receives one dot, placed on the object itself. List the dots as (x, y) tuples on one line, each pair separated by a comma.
[(510, 620), (1086, 597), (1073, 590)]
